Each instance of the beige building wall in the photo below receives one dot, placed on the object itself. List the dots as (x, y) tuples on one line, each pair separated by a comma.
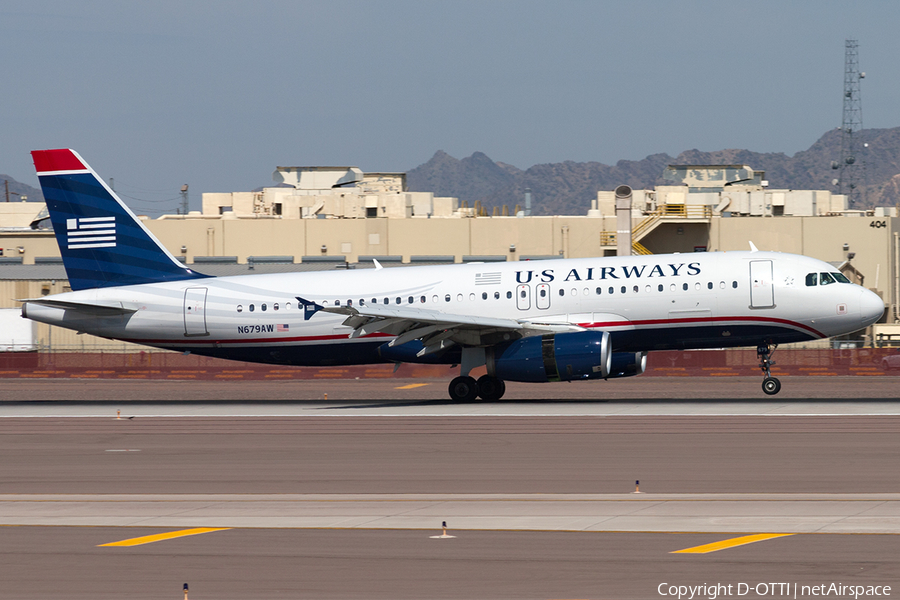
[(870, 238)]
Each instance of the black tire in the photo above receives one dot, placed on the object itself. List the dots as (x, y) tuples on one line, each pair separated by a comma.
[(463, 389), (771, 386), (490, 388)]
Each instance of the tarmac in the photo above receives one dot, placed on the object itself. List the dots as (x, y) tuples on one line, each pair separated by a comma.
[(131, 489)]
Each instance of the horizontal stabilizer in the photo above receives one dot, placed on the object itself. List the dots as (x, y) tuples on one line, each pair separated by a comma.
[(99, 308)]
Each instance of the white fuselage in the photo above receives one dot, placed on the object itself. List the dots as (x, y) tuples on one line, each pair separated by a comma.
[(645, 302)]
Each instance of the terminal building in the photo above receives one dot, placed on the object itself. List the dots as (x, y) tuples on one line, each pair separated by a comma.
[(339, 217)]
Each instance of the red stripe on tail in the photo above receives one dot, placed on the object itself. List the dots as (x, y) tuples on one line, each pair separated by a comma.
[(56, 160)]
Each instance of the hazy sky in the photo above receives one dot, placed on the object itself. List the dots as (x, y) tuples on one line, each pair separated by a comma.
[(216, 94)]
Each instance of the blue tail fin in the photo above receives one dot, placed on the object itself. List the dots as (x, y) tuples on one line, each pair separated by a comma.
[(101, 242)]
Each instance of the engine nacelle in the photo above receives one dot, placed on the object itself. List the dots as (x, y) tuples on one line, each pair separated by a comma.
[(627, 364), (553, 357)]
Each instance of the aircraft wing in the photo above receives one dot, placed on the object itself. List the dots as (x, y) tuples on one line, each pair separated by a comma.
[(436, 329)]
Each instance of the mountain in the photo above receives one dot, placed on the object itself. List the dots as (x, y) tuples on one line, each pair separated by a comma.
[(34, 194), (568, 187)]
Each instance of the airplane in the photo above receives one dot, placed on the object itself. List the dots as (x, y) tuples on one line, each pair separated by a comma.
[(525, 321)]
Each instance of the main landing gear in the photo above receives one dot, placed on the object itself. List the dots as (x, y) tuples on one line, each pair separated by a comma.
[(770, 385), (466, 389)]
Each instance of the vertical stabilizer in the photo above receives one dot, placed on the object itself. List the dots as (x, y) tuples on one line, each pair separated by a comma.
[(101, 241)]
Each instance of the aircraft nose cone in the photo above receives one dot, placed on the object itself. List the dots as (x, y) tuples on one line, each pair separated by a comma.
[(871, 307)]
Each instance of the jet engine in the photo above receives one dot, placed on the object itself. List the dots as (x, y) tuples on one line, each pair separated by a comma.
[(627, 364), (555, 357)]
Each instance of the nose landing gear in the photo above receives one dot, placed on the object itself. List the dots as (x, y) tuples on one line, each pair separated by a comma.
[(770, 385)]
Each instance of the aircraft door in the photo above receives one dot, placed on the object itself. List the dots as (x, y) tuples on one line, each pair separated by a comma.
[(523, 297), (762, 290), (542, 300), (195, 312)]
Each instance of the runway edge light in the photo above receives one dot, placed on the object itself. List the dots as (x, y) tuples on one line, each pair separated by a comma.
[(443, 536)]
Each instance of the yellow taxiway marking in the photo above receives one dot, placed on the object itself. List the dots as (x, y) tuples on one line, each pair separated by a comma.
[(724, 544), (411, 386), (149, 539)]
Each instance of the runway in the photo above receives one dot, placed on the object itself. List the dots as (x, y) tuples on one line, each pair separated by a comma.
[(340, 498), (663, 513)]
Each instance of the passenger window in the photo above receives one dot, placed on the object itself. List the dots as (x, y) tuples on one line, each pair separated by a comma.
[(734, 284), (374, 300), (349, 303), (574, 292), (648, 288), (709, 285), (612, 290), (287, 306), (586, 292), (660, 287), (387, 300), (671, 287), (275, 306), (252, 308), (721, 285), (240, 308), (434, 298), (410, 300), (562, 292), (447, 298), (697, 286), (812, 279), (522, 294), (543, 293), (635, 289), (496, 295), (840, 277), (459, 297), (508, 295), (471, 297), (599, 290), (684, 286), (623, 289), (397, 300), (263, 307), (484, 295)]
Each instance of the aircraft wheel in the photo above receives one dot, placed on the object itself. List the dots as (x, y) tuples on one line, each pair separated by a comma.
[(463, 389), (771, 386), (490, 388)]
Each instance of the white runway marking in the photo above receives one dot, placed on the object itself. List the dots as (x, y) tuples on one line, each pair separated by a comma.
[(711, 513)]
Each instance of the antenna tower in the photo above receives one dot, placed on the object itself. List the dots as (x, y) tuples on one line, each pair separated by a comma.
[(852, 175)]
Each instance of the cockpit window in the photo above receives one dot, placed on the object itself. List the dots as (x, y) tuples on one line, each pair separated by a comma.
[(840, 277), (826, 278), (812, 279)]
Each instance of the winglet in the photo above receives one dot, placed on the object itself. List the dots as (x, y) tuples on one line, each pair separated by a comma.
[(377, 264), (753, 247), (309, 307)]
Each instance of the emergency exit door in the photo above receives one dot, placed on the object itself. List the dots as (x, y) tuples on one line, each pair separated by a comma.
[(762, 290), (523, 297)]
